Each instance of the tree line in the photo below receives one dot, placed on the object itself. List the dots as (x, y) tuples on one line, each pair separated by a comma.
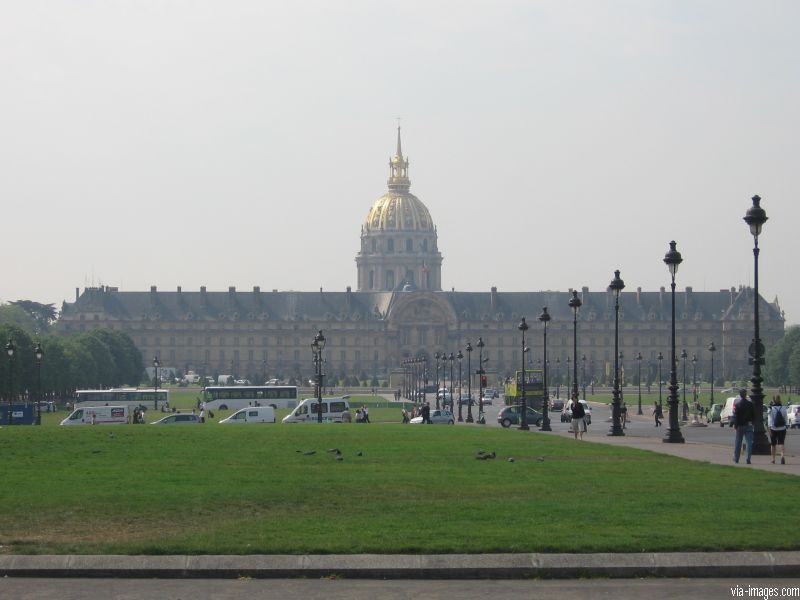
[(101, 358)]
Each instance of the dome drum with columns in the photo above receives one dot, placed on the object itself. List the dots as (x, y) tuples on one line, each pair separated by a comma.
[(399, 247)]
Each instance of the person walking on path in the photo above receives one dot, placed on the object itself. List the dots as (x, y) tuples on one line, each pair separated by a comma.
[(776, 421), (578, 414), (426, 413), (657, 414), (743, 417)]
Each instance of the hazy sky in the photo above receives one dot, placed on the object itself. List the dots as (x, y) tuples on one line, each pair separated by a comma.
[(242, 143)]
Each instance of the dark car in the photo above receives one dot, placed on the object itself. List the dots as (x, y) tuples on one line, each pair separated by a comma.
[(510, 416), (556, 404)]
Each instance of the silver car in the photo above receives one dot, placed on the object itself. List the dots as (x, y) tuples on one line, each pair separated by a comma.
[(438, 417), (178, 419)]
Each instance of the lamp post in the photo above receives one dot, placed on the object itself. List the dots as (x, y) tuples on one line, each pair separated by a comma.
[(545, 318), (459, 356), (684, 356), (452, 359), (156, 365), (480, 345), (712, 348), (660, 358), (444, 378), (583, 375), (469, 383), (39, 353), (437, 356), (575, 304), (755, 219), (10, 351), (523, 419), (558, 377), (616, 286), (592, 376), (569, 376), (317, 346), (673, 434), (639, 377), (694, 381)]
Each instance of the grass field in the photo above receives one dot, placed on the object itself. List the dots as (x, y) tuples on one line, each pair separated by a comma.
[(242, 490)]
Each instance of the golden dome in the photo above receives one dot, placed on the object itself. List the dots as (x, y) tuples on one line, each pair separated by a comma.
[(398, 212)]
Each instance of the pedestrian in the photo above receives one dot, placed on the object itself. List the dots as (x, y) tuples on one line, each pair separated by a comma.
[(743, 417), (578, 414), (203, 414), (623, 413), (426, 413), (365, 412), (657, 413), (776, 421), (405, 416)]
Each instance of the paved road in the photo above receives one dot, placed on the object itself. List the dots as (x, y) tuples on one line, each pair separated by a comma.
[(327, 589)]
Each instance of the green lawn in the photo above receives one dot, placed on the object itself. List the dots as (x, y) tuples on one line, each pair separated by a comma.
[(253, 489)]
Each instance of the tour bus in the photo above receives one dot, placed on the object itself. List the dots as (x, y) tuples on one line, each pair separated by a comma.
[(150, 399), (242, 396)]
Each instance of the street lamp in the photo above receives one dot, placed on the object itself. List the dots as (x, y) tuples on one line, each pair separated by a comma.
[(660, 358), (755, 219), (558, 377), (469, 383), (317, 346), (10, 351), (480, 345), (451, 358), (39, 353), (616, 286), (444, 378), (459, 356), (583, 375), (545, 318), (639, 377), (437, 356), (569, 376), (156, 365), (712, 348), (673, 434), (523, 419), (684, 356), (694, 380), (575, 304)]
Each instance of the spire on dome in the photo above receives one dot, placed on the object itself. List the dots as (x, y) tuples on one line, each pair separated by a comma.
[(398, 169)]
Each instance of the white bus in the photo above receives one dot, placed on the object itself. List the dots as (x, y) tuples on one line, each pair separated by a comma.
[(242, 396), (150, 399)]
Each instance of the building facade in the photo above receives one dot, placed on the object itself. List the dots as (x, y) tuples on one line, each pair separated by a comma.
[(399, 311)]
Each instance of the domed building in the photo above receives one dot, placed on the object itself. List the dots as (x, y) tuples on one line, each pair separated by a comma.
[(399, 310), (398, 238)]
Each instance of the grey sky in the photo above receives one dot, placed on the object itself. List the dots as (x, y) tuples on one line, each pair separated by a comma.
[(242, 143)]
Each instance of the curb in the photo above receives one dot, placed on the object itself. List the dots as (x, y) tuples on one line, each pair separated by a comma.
[(404, 566)]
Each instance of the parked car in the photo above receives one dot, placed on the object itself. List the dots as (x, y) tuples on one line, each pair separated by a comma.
[(466, 398), (793, 414), (556, 404), (726, 413), (444, 394), (178, 419), (566, 415), (712, 416), (438, 417), (510, 415), (490, 393)]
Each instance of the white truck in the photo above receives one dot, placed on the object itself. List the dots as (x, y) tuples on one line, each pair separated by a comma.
[(334, 410), (99, 415), (251, 414)]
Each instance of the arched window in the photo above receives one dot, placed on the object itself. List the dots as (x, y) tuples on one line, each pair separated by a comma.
[(389, 280), (409, 245), (424, 245), (390, 245)]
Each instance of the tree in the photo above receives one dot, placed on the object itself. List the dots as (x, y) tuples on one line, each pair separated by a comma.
[(14, 315), (777, 367), (42, 315)]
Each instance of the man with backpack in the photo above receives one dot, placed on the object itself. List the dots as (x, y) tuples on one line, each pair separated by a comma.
[(743, 418), (776, 421), (578, 414)]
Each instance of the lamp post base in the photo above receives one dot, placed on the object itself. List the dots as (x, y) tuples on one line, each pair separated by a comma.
[(616, 430), (673, 436), (761, 445), (545, 425), (524, 427)]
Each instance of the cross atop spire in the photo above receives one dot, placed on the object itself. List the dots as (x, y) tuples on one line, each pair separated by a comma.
[(398, 168)]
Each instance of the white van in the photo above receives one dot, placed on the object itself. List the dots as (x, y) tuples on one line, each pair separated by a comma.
[(726, 414), (333, 409), (251, 414), (98, 415)]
